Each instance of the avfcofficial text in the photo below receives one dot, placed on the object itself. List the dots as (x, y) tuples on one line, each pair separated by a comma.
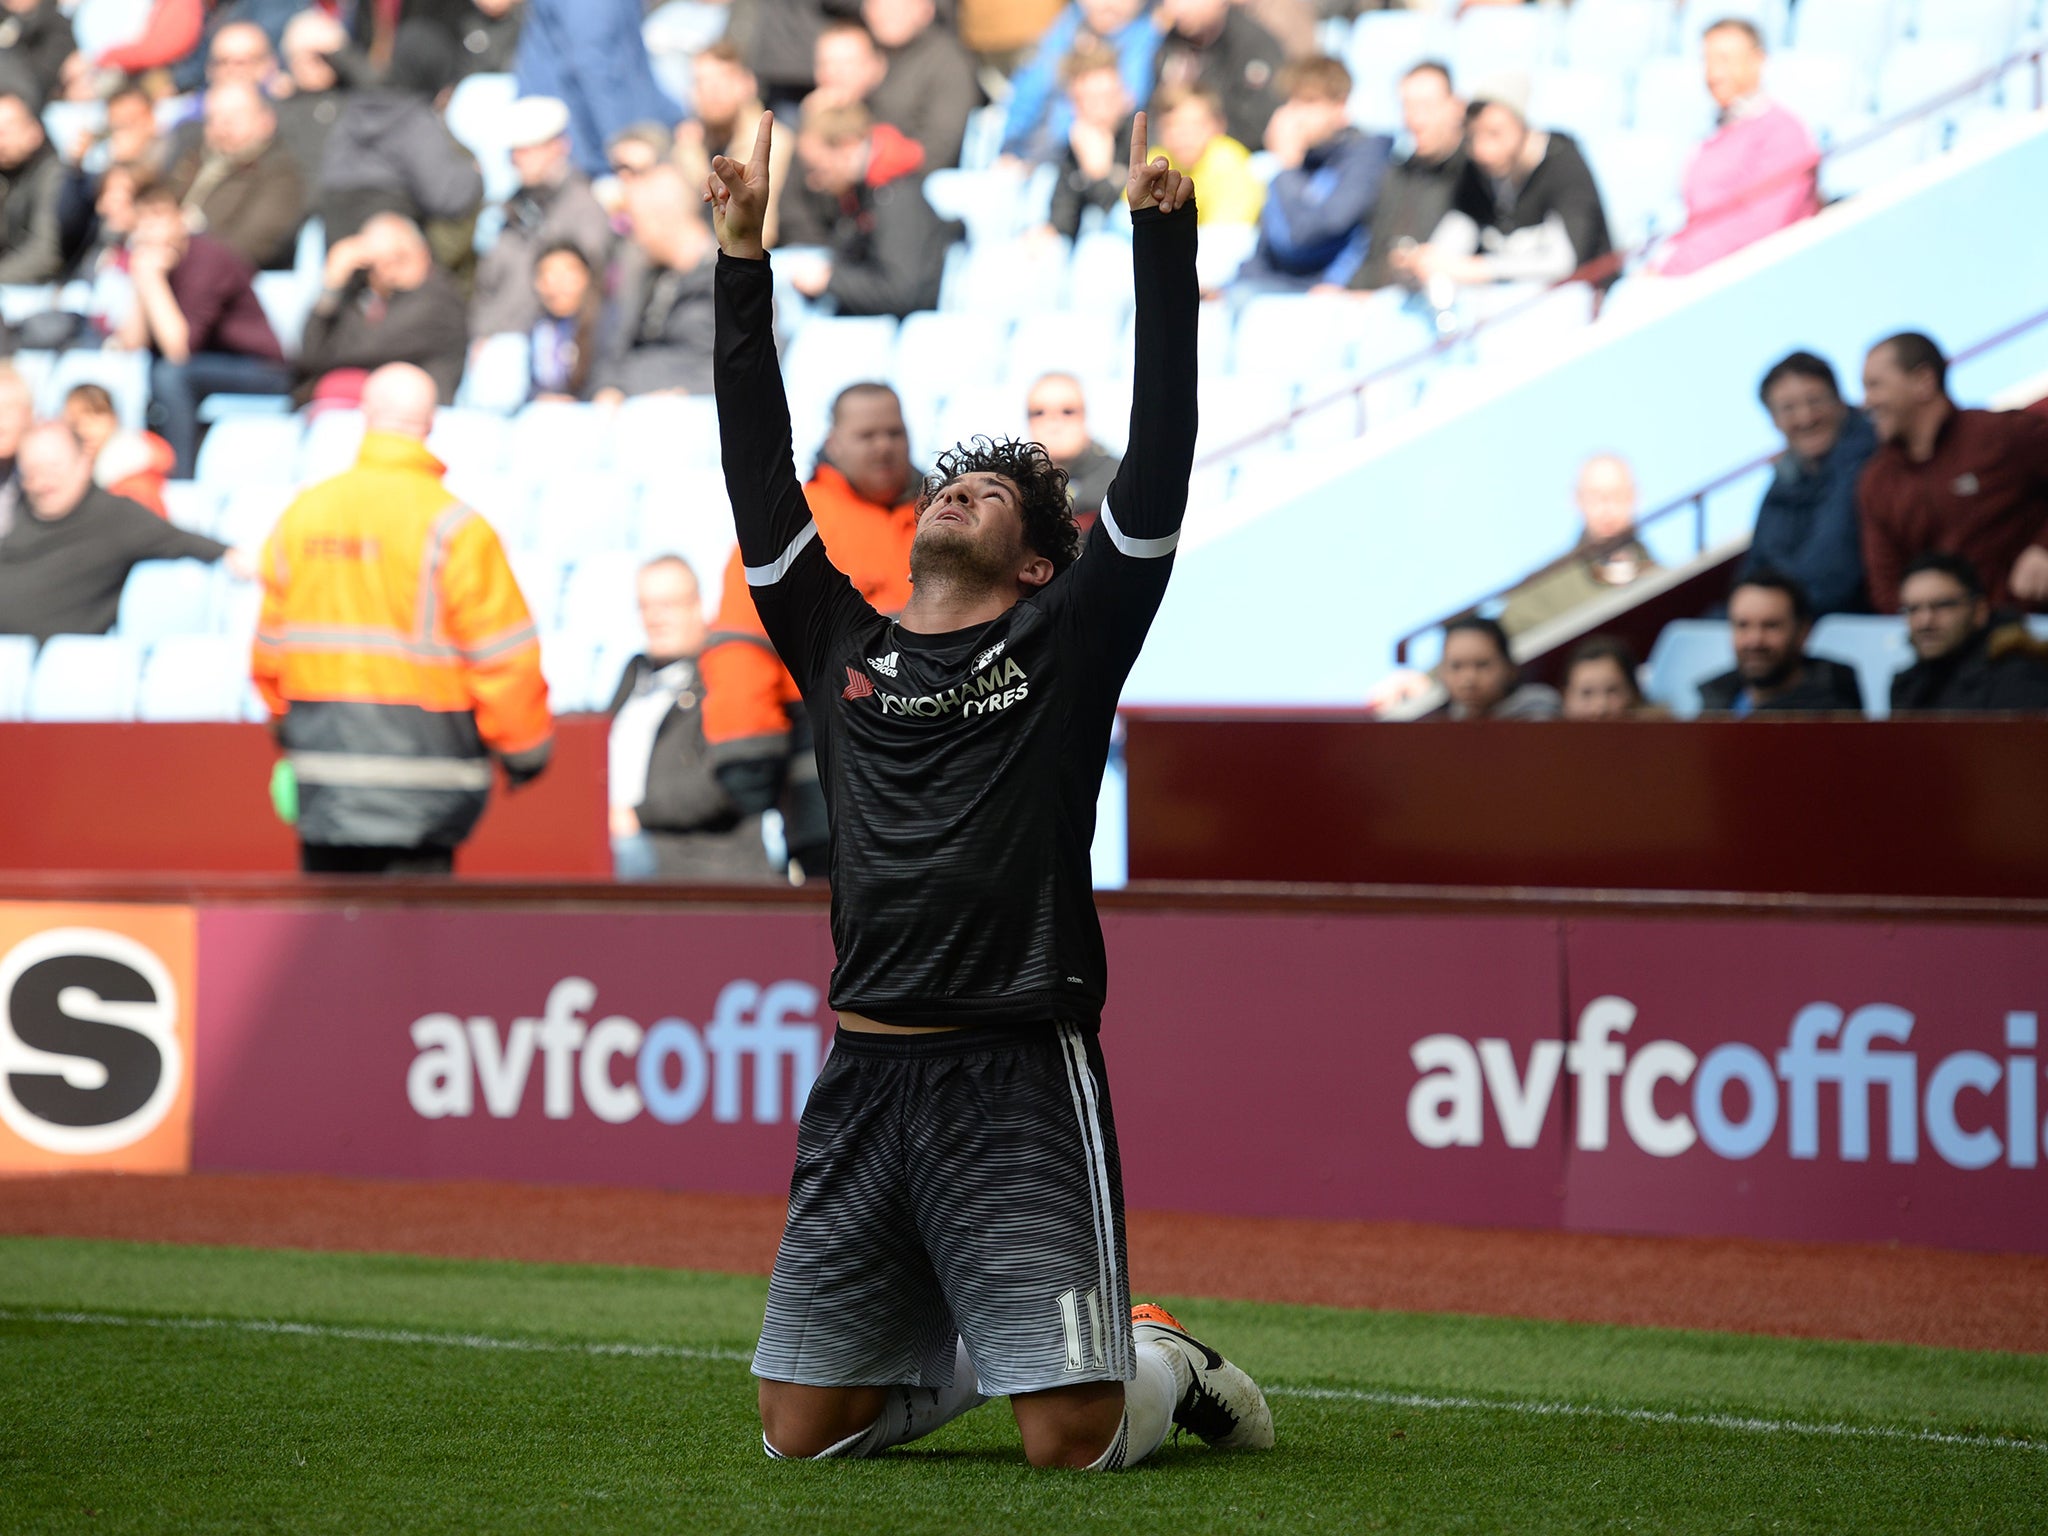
[(986, 694), (1877, 1093)]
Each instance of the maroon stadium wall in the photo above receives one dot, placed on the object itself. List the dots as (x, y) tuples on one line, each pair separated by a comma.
[(1749, 1074)]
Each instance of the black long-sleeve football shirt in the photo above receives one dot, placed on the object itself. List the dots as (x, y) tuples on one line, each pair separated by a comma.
[(962, 769)]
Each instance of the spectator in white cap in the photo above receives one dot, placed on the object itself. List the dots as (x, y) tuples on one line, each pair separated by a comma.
[(1526, 208), (553, 206)]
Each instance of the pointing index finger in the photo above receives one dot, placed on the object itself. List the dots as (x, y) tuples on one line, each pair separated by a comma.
[(1139, 149), (762, 137)]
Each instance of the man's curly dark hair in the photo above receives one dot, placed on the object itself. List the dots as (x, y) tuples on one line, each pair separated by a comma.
[(1049, 526)]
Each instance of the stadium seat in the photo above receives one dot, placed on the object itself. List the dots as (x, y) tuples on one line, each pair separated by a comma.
[(242, 449), (1534, 332), (1081, 344), (1671, 100), (286, 301), (500, 499), (1384, 46), (566, 661), (1850, 171), (598, 597), (333, 439), (123, 375), (469, 441), (1640, 177), (17, 666), (1858, 30), (85, 677), (1767, 16), (1686, 654), (476, 117), (936, 348), (1296, 335), (250, 511), (580, 514), (1580, 102), (195, 677), (995, 204), (166, 597), (98, 25), (1109, 412), (1236, 410), (1013, 277), (1914, 74), (18, 301), (1992, 27), (607, 669), (656, 435), (551, 438), (1220, 249), (192, 505), (983, 411), (1874, 644), (500, 374), (1387, 331), (539, 575), (1493, 40), (1614, 37), (1827, 91), (1099, 274)]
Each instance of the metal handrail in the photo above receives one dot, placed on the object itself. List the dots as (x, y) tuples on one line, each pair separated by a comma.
[(1696, 499), (1603, 268)]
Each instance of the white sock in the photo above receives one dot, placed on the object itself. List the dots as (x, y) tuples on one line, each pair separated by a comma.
[(908, 1413), (1149, 1398)]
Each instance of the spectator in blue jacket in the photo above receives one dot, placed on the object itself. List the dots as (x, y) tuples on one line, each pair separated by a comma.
[(590, 54), (1316, 226), (1807, 526), (1040, 114)]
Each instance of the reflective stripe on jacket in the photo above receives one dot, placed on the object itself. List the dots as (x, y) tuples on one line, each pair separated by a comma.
[(397, 649)]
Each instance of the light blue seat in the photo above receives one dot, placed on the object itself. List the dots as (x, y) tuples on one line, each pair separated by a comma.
[(192, 505), (18, 301), (166, 597), (242, 449), (1580, 102), (551, 438), (1295, 335), (251, 511), (17, 667), (1858, 30), (539, 575), (477, 117), (1384, 46), (1671, 100), (936, 349), (469, 440), (1767, 16), (1916, 73), (500, 499), (500, 374), (1063, 340), (1013, 277), (333, 439), (1536, 332), (1992, 27), (567, 661), (656, 435), (1640, 177), (1687, 653), (1235, 408), (583, 514), (992, 203), (98, 25), (984, 141), (1827, 91), (85, 677), (979, 411), (195, 677), (834, 351), (687, 514), (123, 375), (1874, 644), (1492, 40), (220, 407), (1099, 273), (1614, 37), (286, 301), (599, 597), (1220, 249)]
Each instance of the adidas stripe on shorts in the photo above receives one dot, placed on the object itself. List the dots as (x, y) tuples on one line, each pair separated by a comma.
[(961, 1183)]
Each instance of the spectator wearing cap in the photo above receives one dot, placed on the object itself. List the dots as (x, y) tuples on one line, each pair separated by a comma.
[(1484, 683), (1188, 126), (887, 246), (239, 184), (1418, 189), (1968, 660), (384, 301), (197, 313), (727, 100), (1755, 174), (1769, 619), (391, 153), (1215, 45), (553, 206), (1970, 483), (1056, 418), (1807, 526), (1035, 125), (31, 188), (590, 55), (1319, 207), (929, 88), (35, 40), (659, 336), (1526, 208)]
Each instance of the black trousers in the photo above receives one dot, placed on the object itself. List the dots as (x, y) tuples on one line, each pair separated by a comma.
[(340, 859)]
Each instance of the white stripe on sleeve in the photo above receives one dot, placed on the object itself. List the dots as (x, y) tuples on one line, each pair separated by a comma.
[(768, 575), (1137, 549)]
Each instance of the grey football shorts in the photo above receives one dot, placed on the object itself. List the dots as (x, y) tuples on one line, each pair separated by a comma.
[(955, 1184)]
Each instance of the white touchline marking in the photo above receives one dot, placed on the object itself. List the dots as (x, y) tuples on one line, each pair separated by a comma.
[(1527, 1407)]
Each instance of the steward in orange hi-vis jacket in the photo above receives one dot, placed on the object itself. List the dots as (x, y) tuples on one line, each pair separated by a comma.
[(396, 652), (864, 501)]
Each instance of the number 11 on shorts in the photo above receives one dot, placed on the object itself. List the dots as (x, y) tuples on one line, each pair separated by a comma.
[(1070, 1322)]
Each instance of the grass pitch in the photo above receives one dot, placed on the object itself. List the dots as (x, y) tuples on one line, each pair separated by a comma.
[(150, 1388)]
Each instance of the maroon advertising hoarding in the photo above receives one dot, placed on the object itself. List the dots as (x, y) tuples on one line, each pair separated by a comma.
[(1855, 1081)]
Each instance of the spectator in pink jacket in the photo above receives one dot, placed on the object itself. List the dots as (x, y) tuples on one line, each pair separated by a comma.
[(1755, 173)]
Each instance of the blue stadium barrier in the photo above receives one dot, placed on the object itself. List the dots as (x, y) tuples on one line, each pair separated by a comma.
[(85, 677)]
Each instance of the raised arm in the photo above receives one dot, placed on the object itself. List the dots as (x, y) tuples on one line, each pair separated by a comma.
[(800, 596)]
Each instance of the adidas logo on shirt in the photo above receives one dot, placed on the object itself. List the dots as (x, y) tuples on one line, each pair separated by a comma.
[(886, 665)]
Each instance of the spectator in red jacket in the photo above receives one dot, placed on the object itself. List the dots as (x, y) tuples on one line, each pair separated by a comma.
[(1972, 483)]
